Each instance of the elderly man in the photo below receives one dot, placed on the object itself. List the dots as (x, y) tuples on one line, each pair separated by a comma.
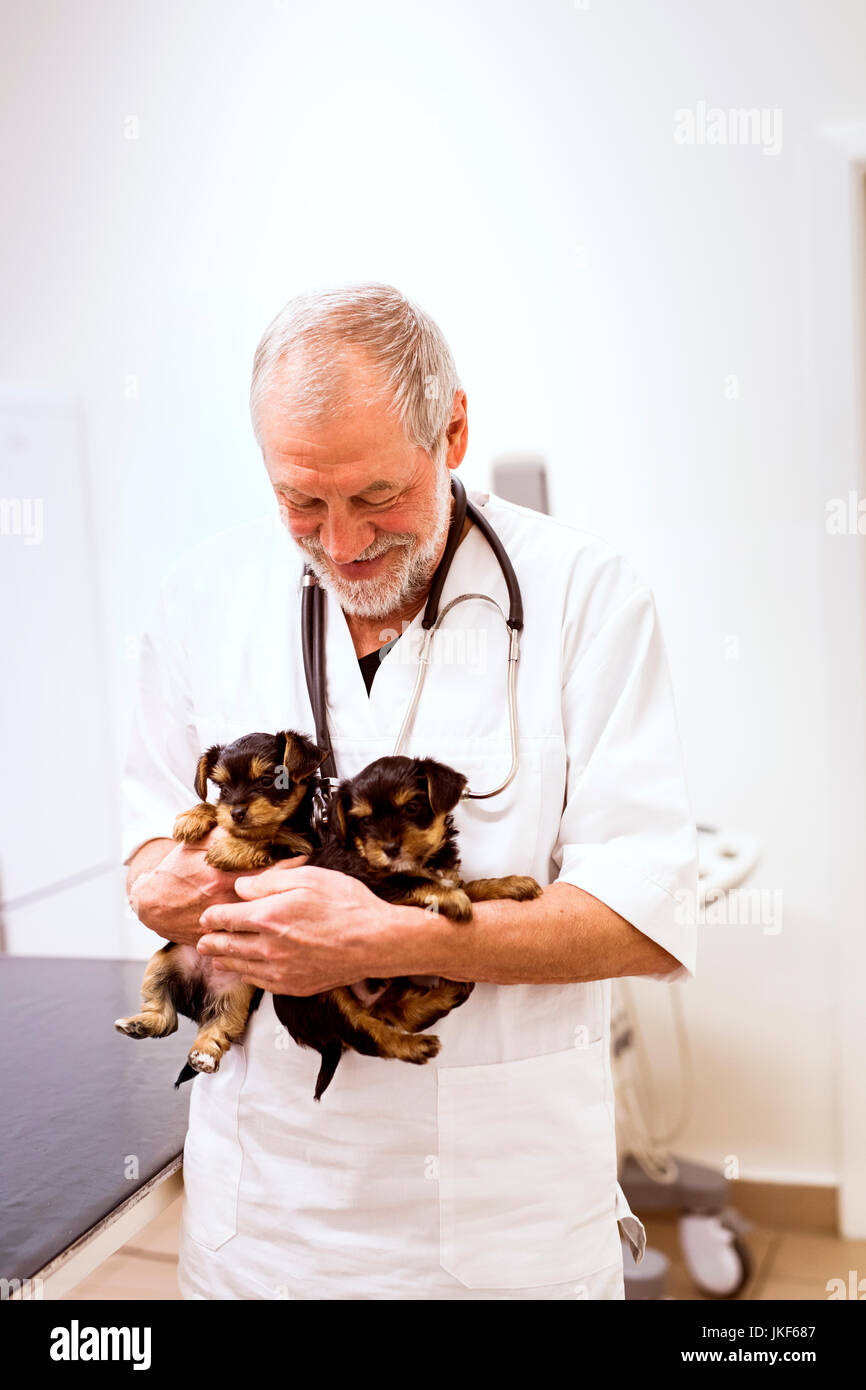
[(491, 1171)]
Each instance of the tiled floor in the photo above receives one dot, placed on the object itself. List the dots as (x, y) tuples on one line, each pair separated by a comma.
[(786, 1264)]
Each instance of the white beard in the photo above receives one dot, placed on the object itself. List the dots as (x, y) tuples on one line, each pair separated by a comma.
[(382, 595)]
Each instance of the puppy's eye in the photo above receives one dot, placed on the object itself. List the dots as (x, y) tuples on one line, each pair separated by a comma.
[(266, 781), (415, 806)]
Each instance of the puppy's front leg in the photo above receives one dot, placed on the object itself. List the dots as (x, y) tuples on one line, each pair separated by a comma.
[(298, 844), (231, 853), (516, 886), (194, 825), (451, 901)]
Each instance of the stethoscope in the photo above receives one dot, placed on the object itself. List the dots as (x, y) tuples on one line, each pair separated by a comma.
[(313, 639)]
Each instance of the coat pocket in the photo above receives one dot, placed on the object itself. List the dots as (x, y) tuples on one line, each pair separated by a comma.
[(527, 1171), (212, 1154)]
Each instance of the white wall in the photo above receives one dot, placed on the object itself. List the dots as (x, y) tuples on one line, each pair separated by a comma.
[(512, 166)]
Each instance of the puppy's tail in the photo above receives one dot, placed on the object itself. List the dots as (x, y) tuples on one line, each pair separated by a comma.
[(331, 1054), (187, 1074)]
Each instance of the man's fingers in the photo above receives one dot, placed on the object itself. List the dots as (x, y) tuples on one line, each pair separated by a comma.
[(228, 917), (259, 983), (238, 965), (275, 880), (233, 948)]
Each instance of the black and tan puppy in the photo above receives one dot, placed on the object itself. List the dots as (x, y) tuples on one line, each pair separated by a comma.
[(265, 806), (392, 828)]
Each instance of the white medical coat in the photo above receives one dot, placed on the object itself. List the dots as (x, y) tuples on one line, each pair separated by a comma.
[(491, 1171)]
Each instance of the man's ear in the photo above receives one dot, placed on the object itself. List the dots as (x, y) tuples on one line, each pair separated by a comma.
[(206, 764), (300, 756), (444, 785)]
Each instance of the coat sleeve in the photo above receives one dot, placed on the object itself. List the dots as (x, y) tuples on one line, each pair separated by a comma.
[(163, 747), (627, 834)]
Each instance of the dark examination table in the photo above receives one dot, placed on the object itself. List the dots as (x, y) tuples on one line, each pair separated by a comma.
[(92, 1128)]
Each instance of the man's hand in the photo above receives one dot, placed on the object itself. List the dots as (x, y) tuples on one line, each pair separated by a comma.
[(301, 933), (171, 897)]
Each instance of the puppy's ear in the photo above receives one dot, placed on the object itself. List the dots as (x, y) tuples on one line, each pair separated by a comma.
[(337, 815), (206, 764), (444, 785), (299, 755)]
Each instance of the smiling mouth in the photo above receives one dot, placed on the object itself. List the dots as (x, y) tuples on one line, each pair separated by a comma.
[(361, 569)]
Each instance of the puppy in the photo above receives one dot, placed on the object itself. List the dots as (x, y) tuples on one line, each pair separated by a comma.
[(265, 806), (392, 828)]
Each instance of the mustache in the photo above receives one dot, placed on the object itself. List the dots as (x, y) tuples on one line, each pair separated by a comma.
[(396, 540)]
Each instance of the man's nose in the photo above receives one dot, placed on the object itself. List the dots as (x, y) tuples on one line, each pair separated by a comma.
[(345, 539)]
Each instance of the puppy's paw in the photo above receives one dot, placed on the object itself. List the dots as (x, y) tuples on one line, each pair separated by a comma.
[(522, 888), (203, 1061), (517, 887), (460, 991), (133, 1027), (230, 854), (193, 825), (456, 906), (424, 1050)]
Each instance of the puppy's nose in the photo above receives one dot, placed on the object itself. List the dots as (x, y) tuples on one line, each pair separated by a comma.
[(239, 814), (391, 848)]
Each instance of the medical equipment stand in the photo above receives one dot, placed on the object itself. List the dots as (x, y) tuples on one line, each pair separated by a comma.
[(710, 1232)]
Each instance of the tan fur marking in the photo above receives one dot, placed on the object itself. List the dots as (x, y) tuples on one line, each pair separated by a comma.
[(422, 843), (194, 825), (518, 887), (220, 1031), (292, 840), (405, 1046), (415, 1011), (451, 902), (232, 853), (158, 1015), (263, 814)]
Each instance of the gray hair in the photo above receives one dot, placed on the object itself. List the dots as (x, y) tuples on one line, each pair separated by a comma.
[(316, 336)]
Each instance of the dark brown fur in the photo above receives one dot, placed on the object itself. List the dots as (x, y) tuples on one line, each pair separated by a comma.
[(391, 827)]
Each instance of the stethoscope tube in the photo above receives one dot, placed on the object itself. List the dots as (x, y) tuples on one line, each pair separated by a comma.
[(313, 646), (312, 633)]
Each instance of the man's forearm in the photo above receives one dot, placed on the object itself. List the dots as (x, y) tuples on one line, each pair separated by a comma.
[(151, 853), (564, 936)]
